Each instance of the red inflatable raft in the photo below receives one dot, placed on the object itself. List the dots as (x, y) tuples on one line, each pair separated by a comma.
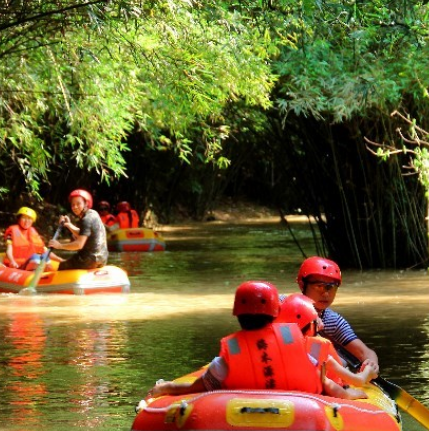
[(267, 410)]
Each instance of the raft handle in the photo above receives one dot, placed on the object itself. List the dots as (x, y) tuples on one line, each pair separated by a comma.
[(183, 407), (273, 410), (335, 408)]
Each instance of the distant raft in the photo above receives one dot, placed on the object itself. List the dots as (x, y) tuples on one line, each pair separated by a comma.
[(108, 279), (135, 239)]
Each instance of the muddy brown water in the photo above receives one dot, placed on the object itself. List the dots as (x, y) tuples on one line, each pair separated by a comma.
[(71, 362)]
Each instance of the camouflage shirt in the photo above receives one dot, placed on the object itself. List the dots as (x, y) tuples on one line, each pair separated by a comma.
[(94, 253), (95, 248)]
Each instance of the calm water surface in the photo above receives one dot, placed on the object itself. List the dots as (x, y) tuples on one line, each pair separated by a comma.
[(84, 362)]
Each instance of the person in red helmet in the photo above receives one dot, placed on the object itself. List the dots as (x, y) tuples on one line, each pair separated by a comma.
[(106, 216), (298, 308), (126, 217), (89, 235), (262, 355), (319, 279)]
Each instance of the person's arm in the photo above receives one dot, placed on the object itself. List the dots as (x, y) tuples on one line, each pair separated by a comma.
[(333, 389), (339, 331), (361, 351), (72, 228), (56, 258), (358, 379), (69, 225), (211, 380), (9, 254), (75, 245), (173, 388)]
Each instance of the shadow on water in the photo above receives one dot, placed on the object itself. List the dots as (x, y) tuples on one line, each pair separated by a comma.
[(84, 362)]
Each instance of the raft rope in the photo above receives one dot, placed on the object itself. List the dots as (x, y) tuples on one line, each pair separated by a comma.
[(336, 406)]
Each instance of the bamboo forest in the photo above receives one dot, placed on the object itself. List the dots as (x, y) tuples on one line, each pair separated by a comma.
[(318, 108)]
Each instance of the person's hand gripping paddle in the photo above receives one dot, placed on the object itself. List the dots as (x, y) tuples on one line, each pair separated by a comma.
[(404, 400)]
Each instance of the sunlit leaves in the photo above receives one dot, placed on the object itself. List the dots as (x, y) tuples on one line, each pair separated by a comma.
[(78, 79), (345, 60)]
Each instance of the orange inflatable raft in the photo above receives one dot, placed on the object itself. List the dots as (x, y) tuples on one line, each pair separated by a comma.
[(267, 410), (135, 239), (108, 279)]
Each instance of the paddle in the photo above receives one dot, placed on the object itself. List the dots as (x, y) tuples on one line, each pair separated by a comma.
[(404, 400), (31, 288)]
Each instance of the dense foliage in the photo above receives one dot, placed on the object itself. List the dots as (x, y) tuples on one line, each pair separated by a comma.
[(78, 77), (172, 104)]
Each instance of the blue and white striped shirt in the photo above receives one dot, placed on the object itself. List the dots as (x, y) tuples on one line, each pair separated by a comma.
[(336, 328)]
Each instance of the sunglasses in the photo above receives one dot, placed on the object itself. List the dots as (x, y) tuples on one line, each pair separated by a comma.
[(323, 286)]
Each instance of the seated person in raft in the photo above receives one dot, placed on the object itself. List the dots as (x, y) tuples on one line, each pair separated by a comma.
[(108, 219), (24, 245), (89, 235), (298, 308), (256, 306), (126, 217)]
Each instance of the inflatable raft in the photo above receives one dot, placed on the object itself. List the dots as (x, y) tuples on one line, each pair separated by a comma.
[(135, 239), (267, 410), (108, 279)]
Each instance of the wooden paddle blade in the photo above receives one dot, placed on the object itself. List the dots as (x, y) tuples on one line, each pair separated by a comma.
[(406, 401)]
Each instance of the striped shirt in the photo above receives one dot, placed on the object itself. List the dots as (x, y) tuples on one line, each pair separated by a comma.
[(336, 328)]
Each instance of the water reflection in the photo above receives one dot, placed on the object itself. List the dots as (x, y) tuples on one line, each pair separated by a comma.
[(72, 362), (26, 387)]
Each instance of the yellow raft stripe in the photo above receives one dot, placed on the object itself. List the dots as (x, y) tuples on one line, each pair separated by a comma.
[(267, 413)]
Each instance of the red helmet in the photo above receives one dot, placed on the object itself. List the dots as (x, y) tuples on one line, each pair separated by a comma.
[(256, 297), (123, 206), (83, 194), (297, 308), (318, 266), (104, 205)]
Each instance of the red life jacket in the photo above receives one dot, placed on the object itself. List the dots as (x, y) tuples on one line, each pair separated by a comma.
[(320, 348), (128, 219), (108, 219), (25, 242), (270, 358)]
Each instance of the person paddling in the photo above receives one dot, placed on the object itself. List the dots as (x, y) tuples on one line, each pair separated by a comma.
[(89, 235), (319, 279)]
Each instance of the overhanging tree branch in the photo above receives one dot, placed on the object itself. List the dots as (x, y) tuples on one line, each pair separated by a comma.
[(42, 15)]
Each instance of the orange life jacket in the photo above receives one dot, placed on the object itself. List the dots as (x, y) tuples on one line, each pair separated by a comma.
[(25, 242), (320, 348), (270, 358), (108, 219), (128, 219)]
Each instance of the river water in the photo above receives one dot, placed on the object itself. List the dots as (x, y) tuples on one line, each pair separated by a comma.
[(71, 362)]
